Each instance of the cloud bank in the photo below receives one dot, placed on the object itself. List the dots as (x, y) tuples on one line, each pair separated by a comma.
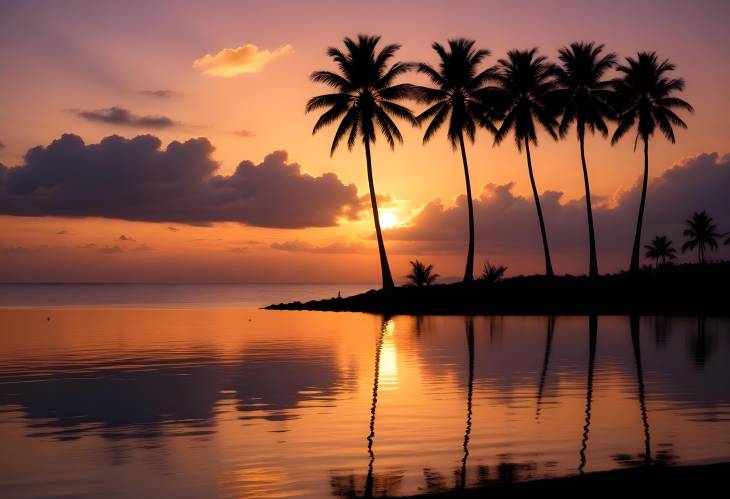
[(136, 179), (237, 61), (507, 228), (119, 116)]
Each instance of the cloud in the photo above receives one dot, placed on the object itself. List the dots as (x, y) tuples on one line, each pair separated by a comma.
[(119, 116), (126, 238), (162, 94), (173, 229), (507, 228), (2, 146), (333, 248), (62, 232), (240, 60), (244, 134), (136, 179)]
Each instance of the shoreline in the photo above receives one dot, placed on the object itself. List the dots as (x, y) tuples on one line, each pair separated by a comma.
[(655, 480), (689, 289)]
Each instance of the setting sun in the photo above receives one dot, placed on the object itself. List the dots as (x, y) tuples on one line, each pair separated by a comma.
[(388, 219)]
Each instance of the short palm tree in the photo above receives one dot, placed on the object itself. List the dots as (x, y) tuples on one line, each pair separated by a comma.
[(421, 274), (460, 97), (492, 273), (363, 101), (525, 83), (583, 97), (660, 248), (645, 96), (701, 233)]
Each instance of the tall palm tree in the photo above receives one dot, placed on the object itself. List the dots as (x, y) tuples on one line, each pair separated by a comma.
[(645, 96), (363, 101), (525, 83), (583, 97), (701, 233), (660, 248), (459, 95)]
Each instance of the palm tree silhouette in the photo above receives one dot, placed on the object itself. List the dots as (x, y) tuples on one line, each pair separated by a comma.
[(525, 83), (583, 97), (364, 98), (645, 96), (701, 233), (421, 274), (660, 248), (545, 364), (459, 96)]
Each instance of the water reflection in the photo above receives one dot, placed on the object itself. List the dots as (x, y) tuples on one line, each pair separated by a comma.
[(306, 402)]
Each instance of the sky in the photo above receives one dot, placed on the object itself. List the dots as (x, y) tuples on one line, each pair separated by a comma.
[(160, 142)]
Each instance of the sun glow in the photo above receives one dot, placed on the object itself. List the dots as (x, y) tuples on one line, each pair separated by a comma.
[(388, 220)]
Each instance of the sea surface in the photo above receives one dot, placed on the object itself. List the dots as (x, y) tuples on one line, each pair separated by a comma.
[(193, 391)]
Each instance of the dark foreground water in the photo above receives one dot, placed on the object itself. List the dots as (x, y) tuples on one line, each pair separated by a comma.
[(215, 402)]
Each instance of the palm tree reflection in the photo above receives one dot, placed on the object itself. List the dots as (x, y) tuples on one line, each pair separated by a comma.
[(592, 341), (380, 485), (470, 390), (635, 330), (545, 362)]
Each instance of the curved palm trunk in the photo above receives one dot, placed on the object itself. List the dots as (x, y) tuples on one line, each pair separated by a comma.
[(640, 221), (469, 270), (593, 268), (384, 267), (548, 262)]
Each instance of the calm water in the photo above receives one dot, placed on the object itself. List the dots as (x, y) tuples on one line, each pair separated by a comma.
[(226, 402)]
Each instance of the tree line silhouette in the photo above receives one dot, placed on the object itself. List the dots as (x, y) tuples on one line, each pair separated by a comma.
[(523, 92)]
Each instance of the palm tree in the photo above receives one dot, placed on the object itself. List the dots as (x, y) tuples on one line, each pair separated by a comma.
[(645, 95), (583, 97), (421, 274), (363, 100), (702, 233), (492, 273), (525, 83), (459, 96), (660, 248)]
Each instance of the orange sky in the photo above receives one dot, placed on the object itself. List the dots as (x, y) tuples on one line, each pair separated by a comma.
[(63, 60)]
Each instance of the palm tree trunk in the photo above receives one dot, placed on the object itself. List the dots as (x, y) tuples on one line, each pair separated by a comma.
[(384, 267), (548, 262), (637, 237), (593, 266), (469, 270)]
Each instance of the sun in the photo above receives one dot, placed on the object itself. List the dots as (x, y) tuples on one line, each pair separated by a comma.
[(388, 220)]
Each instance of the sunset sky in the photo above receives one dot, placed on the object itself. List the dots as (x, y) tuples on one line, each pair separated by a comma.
[(220, 89)]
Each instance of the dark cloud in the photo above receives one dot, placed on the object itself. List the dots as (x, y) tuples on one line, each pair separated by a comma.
[(135, 179), (120, 116), (162, 94), (126, 238), (507, 227), (337, 247), (173, 229), (244, 134), (62, 232)]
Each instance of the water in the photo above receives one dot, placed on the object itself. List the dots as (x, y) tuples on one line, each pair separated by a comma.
[(226, 402)]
